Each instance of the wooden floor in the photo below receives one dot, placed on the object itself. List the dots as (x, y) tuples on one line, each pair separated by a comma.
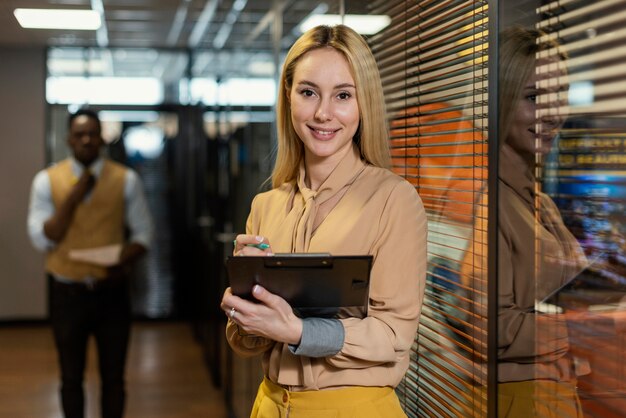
[(166, 376)]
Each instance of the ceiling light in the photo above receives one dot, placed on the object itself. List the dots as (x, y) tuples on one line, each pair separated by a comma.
[(70, 19), (363, 24), (61, 66)]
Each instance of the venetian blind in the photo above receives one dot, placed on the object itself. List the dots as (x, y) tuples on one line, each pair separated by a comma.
[(433, 64)]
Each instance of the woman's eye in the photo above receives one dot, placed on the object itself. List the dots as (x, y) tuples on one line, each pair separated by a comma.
[(532, 98), (344, 95), (307, 93)]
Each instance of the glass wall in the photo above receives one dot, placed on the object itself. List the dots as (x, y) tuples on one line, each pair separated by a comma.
[(553, 220), (561, 184)]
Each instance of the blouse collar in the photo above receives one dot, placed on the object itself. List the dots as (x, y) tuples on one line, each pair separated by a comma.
[(342, 175), (515, 172)]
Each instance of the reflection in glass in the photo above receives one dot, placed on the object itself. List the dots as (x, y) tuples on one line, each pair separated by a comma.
[(570, 119), (586, 176), (536, 252)]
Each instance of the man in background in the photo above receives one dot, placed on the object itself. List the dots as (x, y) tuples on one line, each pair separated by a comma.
[(90, 216)]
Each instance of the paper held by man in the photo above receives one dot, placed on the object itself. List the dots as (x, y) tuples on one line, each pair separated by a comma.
[(106, 256)]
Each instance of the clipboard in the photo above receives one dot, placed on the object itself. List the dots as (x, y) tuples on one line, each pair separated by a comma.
[(307, 281), (585, 284)]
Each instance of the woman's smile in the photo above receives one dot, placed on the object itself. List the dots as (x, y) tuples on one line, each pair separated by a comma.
[(323, 134)]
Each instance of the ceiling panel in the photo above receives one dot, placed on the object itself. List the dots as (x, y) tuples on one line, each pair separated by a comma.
[(140, 23), (152, 37)]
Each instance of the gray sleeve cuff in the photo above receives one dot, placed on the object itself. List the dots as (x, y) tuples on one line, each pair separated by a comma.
[(321, 337)]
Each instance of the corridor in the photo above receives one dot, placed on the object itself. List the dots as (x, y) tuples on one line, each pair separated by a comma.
[(166, 375)]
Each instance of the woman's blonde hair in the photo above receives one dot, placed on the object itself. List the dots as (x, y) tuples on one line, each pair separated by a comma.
[(371, 136), (518, 51)]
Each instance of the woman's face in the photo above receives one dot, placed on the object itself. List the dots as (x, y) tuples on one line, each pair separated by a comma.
[(324, 106), (532, 133)]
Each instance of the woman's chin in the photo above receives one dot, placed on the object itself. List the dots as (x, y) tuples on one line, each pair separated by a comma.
[(544, 145)]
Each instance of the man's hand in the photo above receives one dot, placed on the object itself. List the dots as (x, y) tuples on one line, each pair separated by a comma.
[(130, 253), (83, 186), (56, 227)]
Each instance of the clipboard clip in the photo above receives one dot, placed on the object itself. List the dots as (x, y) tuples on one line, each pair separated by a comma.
[(296, 260)]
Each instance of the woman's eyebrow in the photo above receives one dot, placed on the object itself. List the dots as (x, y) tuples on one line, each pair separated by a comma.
[(534, 89), (543, 90), (338, 86)]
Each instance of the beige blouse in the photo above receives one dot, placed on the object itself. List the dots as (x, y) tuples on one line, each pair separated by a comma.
[(536, 255), (359, 209)]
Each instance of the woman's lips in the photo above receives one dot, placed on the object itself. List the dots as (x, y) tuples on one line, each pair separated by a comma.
[(323, 134), (545, 134)]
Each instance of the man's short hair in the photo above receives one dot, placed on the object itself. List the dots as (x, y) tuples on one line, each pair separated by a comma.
[(84, 111)]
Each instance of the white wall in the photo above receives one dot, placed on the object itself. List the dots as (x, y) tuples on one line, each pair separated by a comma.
[(22, 154)]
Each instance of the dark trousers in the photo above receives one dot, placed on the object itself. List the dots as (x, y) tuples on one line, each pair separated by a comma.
[(76, 312)]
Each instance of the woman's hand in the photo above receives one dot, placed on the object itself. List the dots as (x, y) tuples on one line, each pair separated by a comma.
[(270, 317), (251, 245)]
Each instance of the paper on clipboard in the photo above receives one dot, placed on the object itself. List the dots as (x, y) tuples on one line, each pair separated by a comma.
[(106, 256)]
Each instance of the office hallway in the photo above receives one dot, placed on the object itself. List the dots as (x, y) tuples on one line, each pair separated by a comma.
[(166, 376)]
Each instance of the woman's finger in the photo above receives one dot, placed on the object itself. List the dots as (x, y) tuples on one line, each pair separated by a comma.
[(246, 244), (242, 306), (230, 301), (271, 300)]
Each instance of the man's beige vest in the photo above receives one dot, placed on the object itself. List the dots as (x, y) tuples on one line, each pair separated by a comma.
[(96, 222)]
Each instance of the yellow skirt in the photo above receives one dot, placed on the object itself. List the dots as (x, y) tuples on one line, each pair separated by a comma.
[(272, 401), (538, 398)]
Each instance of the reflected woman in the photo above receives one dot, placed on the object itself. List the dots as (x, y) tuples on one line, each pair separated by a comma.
[(536, 252)]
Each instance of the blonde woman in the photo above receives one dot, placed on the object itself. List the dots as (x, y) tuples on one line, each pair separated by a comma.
[(536, 251), (332, 192)]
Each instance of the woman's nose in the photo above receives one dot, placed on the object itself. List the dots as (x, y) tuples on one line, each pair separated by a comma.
[(553, 118), (324, 110)]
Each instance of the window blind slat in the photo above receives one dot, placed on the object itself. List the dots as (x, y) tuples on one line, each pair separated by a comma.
[(591, 75), (430, 31), (594, 43), (614, 106), (600, 57), (577, 13), (581, 29), (554, 5)]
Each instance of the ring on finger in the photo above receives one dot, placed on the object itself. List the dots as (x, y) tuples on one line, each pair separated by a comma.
[(232, 313)]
